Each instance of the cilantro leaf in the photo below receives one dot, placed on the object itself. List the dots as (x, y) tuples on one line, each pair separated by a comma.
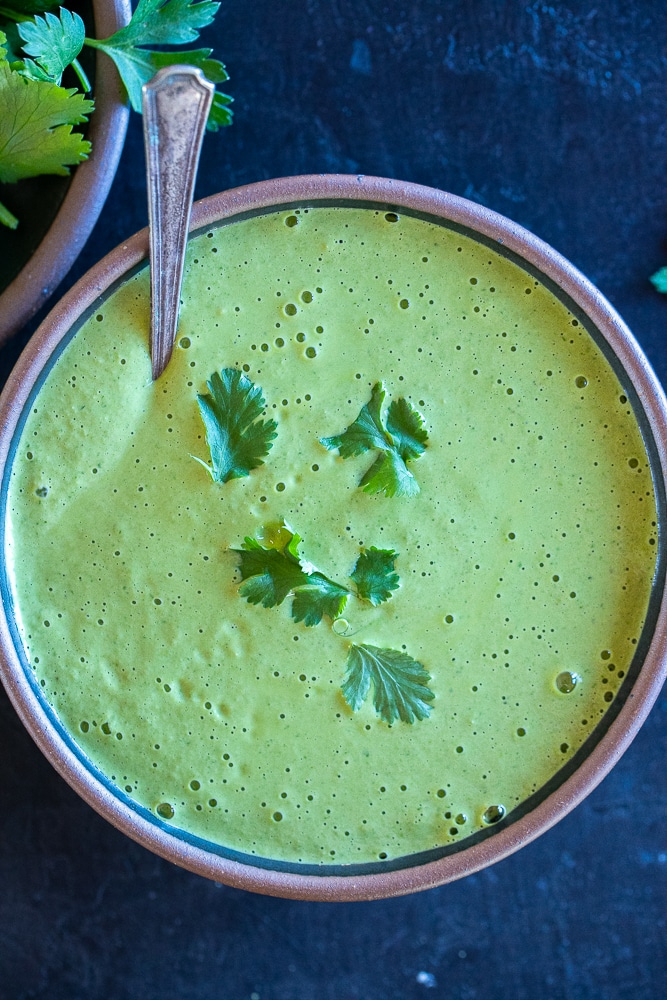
[(366, 432), (659, 280), (10, 44), (36, 127), (219, 115), (317, 597), (138, 66), (238, 440), (390, 476), (271, 573), (406, 426), (374, 575), (399, 439), (165, 22), (399, 683), (54, 42)]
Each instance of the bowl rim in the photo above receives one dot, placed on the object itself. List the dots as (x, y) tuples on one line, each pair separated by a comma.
[(282, 192), (88, 189)]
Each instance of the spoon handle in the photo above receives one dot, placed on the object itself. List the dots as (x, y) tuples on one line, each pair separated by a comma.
[(176, 103)]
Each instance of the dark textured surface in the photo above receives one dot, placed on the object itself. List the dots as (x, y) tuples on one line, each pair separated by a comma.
[(557, 117)]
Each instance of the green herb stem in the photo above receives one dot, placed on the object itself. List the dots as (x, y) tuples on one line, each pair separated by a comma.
[(81, 73), (13, 15), (6, 217)]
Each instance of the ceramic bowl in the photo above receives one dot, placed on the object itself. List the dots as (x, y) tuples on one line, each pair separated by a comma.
[(639, 689), (76, 200)]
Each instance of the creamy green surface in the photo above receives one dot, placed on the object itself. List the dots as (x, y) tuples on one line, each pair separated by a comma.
[(529, 552)]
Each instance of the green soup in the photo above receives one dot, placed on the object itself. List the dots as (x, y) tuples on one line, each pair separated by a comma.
[(525, 562)]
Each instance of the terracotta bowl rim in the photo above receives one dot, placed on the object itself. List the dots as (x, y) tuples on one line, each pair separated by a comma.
[(87, 192), (283, 192)]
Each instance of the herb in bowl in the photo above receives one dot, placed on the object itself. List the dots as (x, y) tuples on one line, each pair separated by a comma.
[(399, 437), (38, 46), (272, 573)]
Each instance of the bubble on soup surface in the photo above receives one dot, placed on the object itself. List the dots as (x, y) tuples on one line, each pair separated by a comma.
[(493, 814), (567, 681)]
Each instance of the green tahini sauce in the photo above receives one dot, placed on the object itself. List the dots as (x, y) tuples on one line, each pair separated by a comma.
[(526, 561)]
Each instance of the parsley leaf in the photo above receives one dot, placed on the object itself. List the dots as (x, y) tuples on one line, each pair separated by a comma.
[(271, 573), (400, 438), (374, 575), (238, 440), (399, 683), (659, 280), (54, 42), (36, 126), (165, 22)]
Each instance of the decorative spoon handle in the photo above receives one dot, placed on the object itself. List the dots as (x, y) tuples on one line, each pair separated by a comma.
[(176, 103)]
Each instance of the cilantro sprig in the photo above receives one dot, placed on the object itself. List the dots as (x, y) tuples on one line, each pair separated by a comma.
[(399, 436), (270, 573), (36, 124), (165, 22), (38, 114), (237, 439)]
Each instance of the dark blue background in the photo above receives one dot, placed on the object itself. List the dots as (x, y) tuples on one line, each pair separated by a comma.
[(557, 117)]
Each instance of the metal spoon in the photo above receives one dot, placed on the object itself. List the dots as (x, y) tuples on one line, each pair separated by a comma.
[(176, 104)]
